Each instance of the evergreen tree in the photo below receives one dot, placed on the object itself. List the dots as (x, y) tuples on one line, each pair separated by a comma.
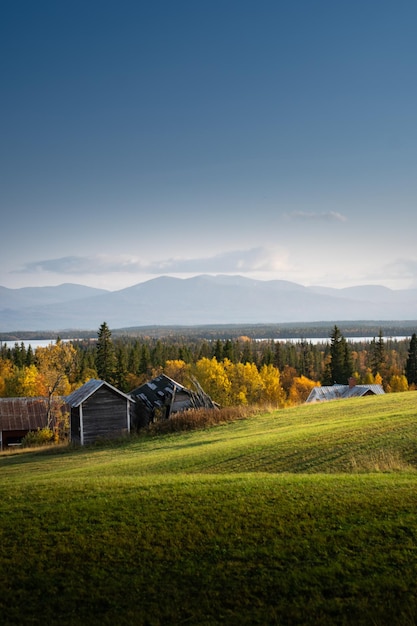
[(378, 356), (229, 351), (145, 360), (19, 354), (105, 354), (247, 354), (121, 373), (278, 361), (218, 350), (340, 364), (30, 359), (303, 360), (268, 355), (348, 360), (411, 365), (157, 354), (134, 357)]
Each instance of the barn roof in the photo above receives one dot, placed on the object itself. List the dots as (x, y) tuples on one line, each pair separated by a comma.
[(81, 394), (23, 413), (360, 390), (155, 392), (161, 390), (334, 392)]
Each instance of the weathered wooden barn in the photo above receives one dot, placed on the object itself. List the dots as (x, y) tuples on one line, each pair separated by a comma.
[(162, 397), (98, 411), (18, 416)]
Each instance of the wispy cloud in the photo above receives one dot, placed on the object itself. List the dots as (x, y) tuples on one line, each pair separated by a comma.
[(329, 216), (99, 264), (252, 260)]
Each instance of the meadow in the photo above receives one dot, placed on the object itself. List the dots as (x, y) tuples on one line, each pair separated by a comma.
[(306, 515)]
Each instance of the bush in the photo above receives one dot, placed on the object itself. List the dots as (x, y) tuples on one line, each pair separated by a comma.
[(40, 437)]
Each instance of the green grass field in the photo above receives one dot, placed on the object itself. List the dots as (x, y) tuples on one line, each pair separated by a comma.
[(302, 516)]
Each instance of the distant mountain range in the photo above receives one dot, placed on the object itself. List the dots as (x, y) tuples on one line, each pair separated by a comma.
[(201, 300)]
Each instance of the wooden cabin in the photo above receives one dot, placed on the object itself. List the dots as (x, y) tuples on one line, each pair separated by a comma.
[(98, 411), (162, 397)]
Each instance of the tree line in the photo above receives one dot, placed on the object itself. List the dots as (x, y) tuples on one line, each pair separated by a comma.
[(237, 370)]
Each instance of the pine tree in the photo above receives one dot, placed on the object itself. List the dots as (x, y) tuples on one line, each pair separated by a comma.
[(105, 354), (411, 365)]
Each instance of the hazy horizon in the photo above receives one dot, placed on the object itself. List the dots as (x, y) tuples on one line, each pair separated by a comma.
[(181, 277)]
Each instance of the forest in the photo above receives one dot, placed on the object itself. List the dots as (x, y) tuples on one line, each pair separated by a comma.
[(238, 370)]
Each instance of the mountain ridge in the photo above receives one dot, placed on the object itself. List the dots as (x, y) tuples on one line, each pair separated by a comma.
[(202, 299)]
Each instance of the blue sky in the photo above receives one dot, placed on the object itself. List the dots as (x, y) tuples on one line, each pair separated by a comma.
[(270, 139)]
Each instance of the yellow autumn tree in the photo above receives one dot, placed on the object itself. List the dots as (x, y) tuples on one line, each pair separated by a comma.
[(7, 371), (300, 389), (398, 383), (56, 364), (369, 378), (214, 380), (32, 382), (273, 392), (246, 383), (178, 370), (378, 379)]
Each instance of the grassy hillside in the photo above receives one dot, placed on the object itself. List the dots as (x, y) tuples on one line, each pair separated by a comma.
[(302, 516)]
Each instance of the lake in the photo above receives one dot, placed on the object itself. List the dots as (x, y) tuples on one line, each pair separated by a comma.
[(35, 343), (42, 343)]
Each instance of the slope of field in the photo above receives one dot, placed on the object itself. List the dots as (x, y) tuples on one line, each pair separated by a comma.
[(301, 516)]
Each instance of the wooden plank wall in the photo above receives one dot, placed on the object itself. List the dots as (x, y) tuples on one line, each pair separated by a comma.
[(75, 425), (105, 415)]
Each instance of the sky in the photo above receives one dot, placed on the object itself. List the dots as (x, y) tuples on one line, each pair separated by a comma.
[(270, 139)]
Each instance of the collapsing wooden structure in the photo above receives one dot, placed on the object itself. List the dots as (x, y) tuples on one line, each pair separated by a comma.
[(162, 397), (98, 411)]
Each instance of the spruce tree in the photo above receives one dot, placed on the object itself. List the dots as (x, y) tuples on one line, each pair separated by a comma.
[(229, 351), (121, 369), (145, 360), (218, 350), (340, 365), (411, 365), (105, 355), (378, 355)]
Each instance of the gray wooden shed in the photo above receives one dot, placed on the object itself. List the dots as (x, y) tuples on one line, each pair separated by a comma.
[(98, 411)]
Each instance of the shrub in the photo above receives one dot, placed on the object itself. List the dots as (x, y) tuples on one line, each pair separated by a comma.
[(39, 437)]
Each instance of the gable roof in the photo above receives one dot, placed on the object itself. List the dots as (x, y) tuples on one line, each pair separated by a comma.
[(335, 392), (82, 394)]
